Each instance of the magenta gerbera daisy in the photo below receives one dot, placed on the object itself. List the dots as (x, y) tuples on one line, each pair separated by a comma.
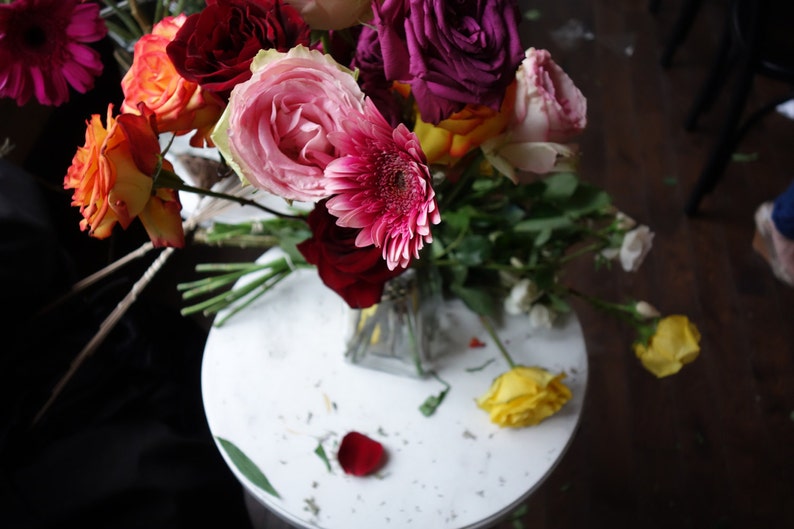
[(43, 49), (381, 184)]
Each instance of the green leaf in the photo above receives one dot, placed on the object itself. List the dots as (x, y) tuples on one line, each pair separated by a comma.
[(473, 250), (432, 402), (586, 201), (320, 451), (247, 467), (560, 186), (545, 223), (476, 300), (558, 304)]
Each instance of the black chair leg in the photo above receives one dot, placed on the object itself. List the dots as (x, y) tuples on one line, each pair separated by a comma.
[(716, 79), (686, 17), (726, 142)]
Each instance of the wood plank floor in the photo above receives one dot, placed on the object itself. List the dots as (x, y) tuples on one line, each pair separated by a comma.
[(712, 447)]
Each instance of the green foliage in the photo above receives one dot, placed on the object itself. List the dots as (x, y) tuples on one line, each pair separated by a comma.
[(491, 227)]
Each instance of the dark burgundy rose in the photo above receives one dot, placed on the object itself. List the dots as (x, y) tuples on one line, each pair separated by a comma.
[(369, 61), (359, 455), (356, 274), (451, 53), (215, 47)]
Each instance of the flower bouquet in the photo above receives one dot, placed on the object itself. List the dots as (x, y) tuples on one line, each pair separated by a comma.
[(376, 137)]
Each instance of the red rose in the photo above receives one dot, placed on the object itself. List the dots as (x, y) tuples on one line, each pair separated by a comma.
[(356, 274), (215, 47)]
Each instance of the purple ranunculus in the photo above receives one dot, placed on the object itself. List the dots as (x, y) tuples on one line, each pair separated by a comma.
[(451, 53)]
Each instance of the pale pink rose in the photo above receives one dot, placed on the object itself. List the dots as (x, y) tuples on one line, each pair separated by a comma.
[(549, 107), (549, 111), (636, 245), (274, 132), (333, 14)]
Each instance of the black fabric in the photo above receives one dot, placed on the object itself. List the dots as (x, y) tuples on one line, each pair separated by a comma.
[(126, 444)]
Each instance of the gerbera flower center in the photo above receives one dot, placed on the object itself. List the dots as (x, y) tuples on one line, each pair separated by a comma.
[(395, 182), (34, 37)]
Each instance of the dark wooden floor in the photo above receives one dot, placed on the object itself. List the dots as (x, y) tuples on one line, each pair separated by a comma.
[(712, 447)]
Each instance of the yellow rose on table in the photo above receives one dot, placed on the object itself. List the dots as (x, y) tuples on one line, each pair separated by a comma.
[(524, 396), (675, 343)]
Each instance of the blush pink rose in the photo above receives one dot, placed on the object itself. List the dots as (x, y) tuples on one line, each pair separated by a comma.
[(548, 105), (549, 111), (274, 132)]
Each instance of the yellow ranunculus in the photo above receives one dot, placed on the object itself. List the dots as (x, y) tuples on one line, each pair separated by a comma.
[(524, 396), (674, 344)]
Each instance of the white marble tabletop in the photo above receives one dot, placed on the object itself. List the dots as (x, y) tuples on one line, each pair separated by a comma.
[(275, 383)]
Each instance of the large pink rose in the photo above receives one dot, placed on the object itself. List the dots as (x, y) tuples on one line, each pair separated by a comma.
[(549, 111), (274, 132)]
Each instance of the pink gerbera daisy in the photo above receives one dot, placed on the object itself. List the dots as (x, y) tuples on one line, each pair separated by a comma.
[(382, 185), (43, 49)]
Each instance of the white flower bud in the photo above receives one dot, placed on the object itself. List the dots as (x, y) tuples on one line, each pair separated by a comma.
[(636, 245), (646, 310)]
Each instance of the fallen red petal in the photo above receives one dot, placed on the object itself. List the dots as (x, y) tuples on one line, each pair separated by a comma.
[(359, 455), (475, 342)]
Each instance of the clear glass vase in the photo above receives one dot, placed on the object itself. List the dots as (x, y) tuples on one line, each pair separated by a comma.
[(397, 334)]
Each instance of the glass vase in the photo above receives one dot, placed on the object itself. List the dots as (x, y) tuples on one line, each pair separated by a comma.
[(397, 334)]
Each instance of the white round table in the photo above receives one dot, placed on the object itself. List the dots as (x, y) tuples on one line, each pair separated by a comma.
[(276, 384)]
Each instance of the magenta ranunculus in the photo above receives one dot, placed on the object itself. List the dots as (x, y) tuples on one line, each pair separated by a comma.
[(274, 131), (451, 53), (215, 46), (382, 185), (356, 274)]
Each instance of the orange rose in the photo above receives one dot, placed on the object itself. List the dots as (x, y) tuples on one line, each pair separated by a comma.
[(463, 131), (112, 180), (180, 106)]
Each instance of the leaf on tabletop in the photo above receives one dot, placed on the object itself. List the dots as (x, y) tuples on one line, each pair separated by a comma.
[(431, 404), (247, 467), (320, 451)]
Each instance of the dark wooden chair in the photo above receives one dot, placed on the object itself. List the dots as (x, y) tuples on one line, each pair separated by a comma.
[(758, 40)]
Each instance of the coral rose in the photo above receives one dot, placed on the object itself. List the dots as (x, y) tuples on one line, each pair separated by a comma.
[(112, 180), (180, 106), (524, 396), (274, 132)]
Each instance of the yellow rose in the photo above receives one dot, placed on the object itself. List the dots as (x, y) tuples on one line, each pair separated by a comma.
[(524, 396), (674, 344), (463, 131)]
